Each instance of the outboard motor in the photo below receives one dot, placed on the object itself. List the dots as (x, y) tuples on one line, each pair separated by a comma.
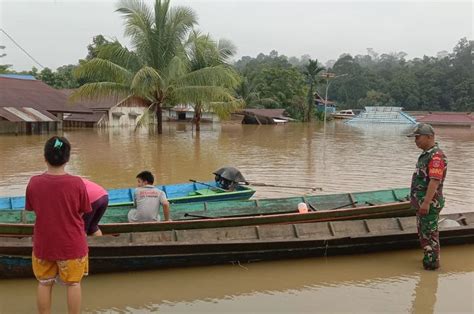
[(229, 178)]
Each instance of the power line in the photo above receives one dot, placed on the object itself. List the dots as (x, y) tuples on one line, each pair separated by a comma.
[(18, 45)]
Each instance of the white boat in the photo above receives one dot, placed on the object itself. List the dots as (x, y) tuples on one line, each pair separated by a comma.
[(344, 114)]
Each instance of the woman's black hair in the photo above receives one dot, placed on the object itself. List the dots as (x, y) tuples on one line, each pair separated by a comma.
[(57, 151), (146, 176)]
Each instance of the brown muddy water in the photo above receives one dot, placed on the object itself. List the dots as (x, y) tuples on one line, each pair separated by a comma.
[(342, 159)]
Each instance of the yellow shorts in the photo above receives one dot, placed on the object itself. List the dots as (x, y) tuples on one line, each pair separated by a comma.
[(69, 272)]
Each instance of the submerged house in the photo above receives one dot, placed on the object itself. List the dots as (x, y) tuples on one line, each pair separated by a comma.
[(461, 119), (185, 112), (106, 112), (321, 103), (393, 115), (264, 116), (28, 105)]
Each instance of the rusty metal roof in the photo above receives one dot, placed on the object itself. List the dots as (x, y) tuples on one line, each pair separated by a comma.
[(448, 118), (27, 93), (269, 113), (26, 114), (79, 117)]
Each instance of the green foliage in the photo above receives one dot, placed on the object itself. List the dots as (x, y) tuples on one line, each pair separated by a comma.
[(98, 43), (311, 72), (270, 81), (164, 67), (428, 83), (375, 98)]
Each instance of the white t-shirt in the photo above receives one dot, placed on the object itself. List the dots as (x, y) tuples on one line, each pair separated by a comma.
[(147, 202)]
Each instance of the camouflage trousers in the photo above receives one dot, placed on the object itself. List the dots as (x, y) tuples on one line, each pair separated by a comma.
[(429, 237)]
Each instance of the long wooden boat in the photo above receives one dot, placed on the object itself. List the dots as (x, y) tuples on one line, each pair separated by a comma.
[(150, 250), (360, 205), (176, 193)]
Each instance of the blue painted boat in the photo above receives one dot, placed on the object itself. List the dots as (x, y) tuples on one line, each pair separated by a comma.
[(176, 193)]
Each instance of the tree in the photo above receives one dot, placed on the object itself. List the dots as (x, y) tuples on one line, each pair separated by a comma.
[(203, 52), (270, 81), (352, 87), (311, 73), (375, 98), (98, 42), (4, 67), (156, 71), (248, 93)]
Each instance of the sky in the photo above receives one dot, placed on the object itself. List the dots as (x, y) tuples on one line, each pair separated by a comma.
[(57, 32)]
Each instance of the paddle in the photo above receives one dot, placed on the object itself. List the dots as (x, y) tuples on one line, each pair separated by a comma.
[(212, 187), (285, 186), (198, 216)]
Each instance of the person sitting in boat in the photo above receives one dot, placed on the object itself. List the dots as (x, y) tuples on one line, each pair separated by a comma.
[(147, 200), (99, 199)]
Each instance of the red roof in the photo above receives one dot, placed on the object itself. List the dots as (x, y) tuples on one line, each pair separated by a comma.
[(103, 103), (21, 93), (451, 118)]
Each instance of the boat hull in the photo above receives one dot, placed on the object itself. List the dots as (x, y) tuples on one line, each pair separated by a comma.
[(141, 251)]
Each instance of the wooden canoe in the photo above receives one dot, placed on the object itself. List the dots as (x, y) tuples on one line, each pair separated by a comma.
[(176, 193), (174, 248), (360, 205)]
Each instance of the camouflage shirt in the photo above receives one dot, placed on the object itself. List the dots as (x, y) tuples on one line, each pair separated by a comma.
[(432, 164)]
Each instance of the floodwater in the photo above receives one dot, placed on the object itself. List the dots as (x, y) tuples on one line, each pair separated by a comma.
[(342, 158)]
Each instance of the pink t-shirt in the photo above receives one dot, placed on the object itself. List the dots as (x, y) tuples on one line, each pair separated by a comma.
[(94, 190)]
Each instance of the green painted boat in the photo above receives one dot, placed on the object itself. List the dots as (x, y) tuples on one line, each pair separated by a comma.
[(345, 206)]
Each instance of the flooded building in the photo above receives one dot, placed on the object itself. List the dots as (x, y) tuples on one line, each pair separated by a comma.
[(322, 104), (106, 112), (185, 112), (264, 116), (461, 119), (30, 106), (381, 114)]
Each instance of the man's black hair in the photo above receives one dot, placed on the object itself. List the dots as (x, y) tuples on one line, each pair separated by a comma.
[(146, 176)]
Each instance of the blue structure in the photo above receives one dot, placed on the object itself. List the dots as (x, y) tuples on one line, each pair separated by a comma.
[(330, 108), (393, 115), (19, 76), (176, 193)]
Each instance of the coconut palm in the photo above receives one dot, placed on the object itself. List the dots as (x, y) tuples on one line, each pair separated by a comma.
[(247, 92), (311, 72), (203, 52), (155, 71)]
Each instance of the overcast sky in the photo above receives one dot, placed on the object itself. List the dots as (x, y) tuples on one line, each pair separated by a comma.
[(57, 32)]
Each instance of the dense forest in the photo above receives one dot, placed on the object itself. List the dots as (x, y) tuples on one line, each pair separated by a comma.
[(441, 83)]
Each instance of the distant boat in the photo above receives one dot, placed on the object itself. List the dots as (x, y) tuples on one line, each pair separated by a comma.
[(345, 114)]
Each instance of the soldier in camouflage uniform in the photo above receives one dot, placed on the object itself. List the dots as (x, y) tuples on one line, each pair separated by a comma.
[(426, 193)]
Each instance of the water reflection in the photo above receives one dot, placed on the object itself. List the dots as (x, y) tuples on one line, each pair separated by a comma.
[(382, 282)]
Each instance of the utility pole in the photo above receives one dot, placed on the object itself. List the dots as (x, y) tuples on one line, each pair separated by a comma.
[(328, 76)]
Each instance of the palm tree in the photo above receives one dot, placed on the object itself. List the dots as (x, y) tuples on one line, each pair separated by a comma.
[(156, 71), (311, 72), (203, 52), (247, 92)]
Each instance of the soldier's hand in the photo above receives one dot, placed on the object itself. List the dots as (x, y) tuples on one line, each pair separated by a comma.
[(424, 209)]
